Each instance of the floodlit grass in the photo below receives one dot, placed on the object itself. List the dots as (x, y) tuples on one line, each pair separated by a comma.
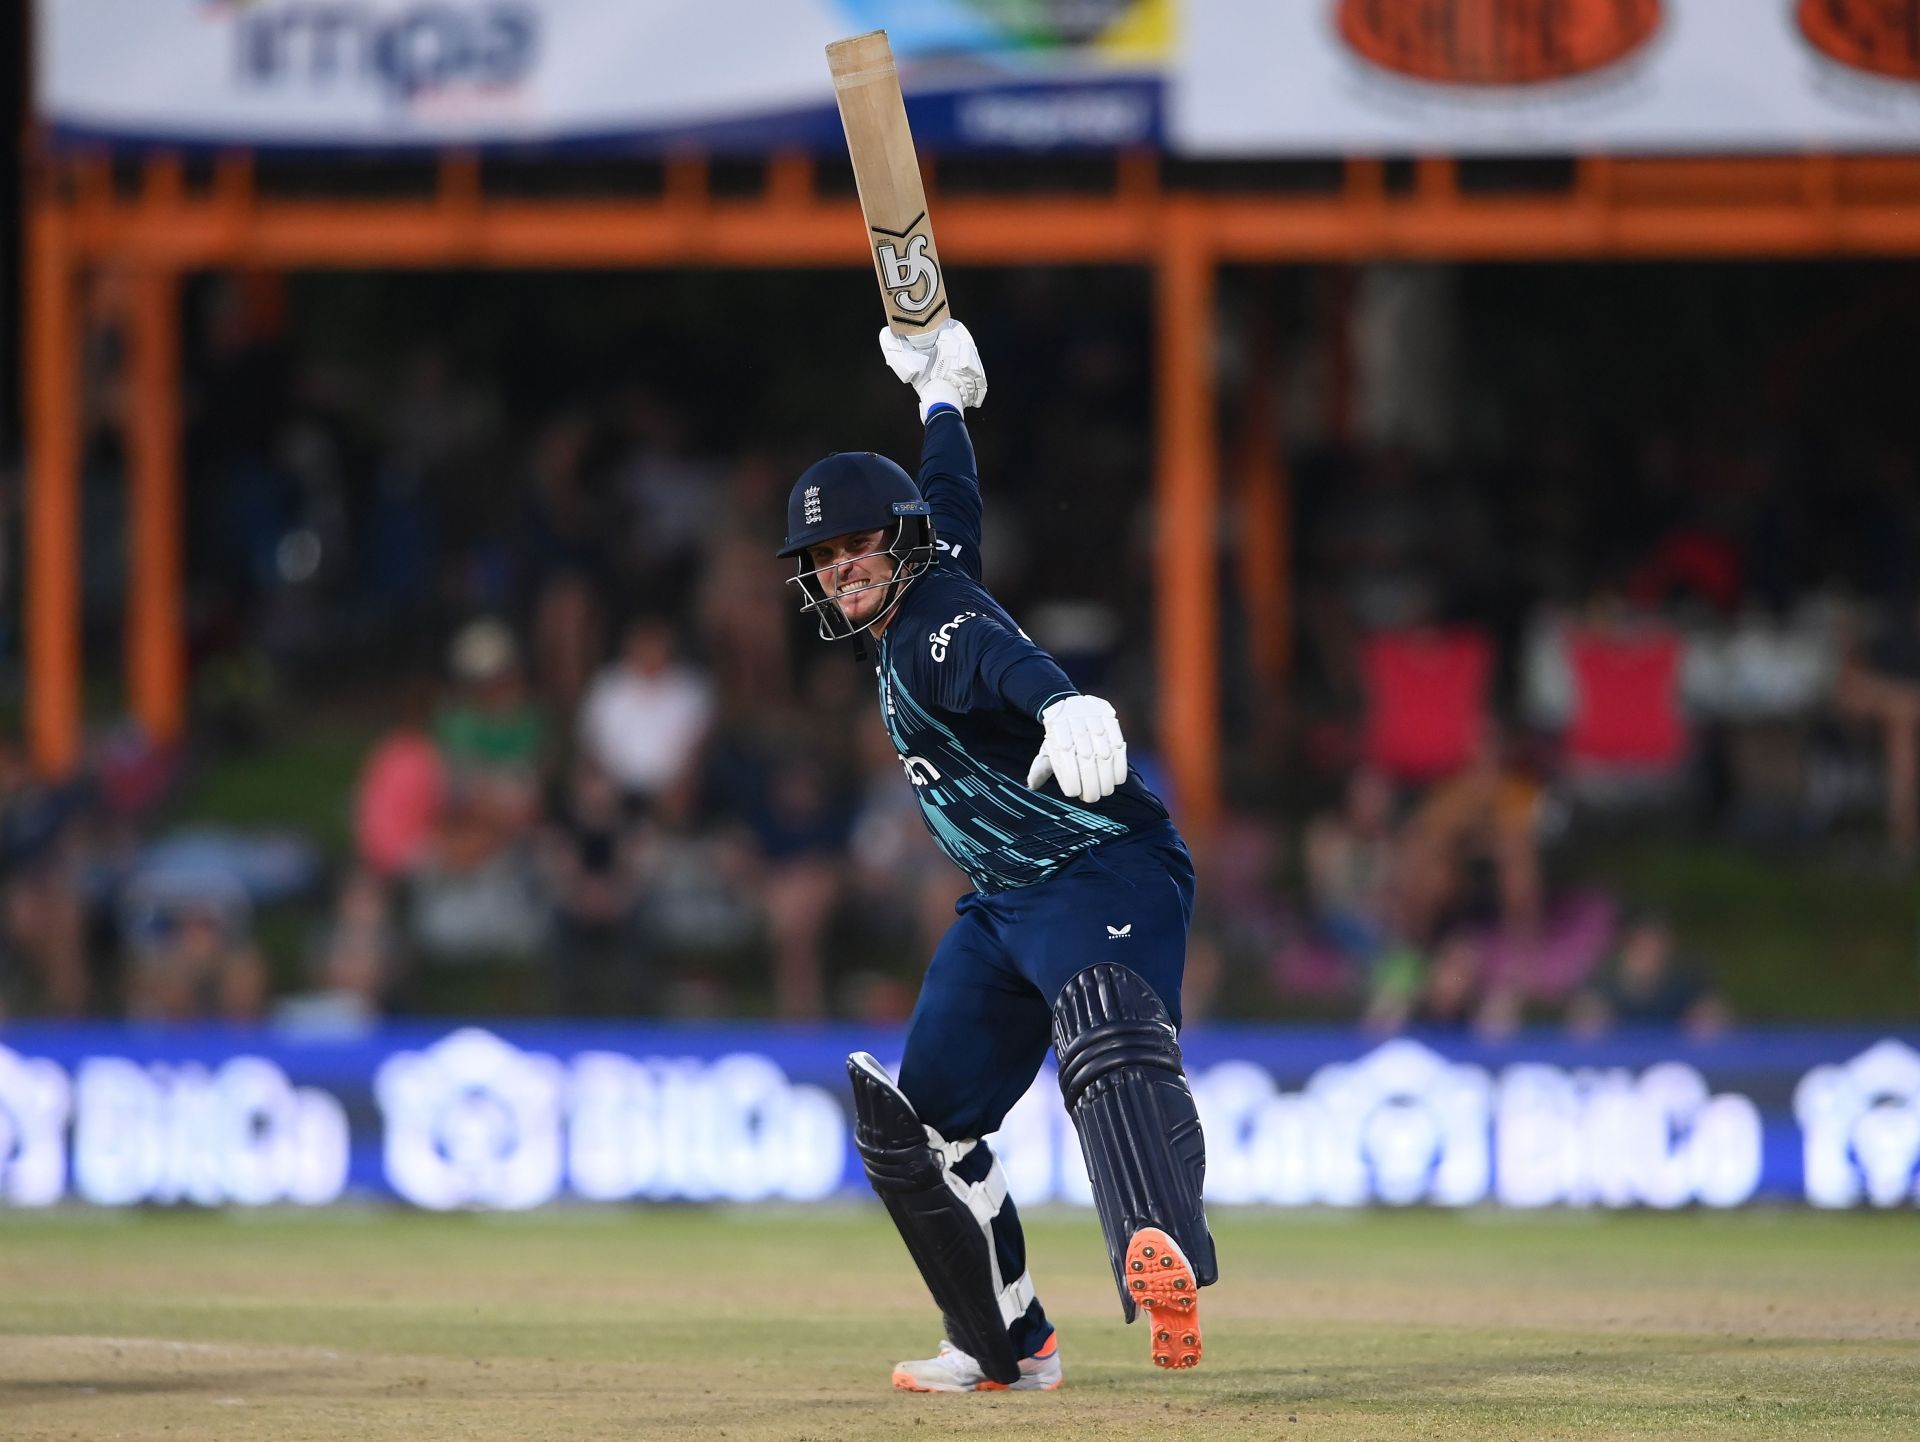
[(781, 1324)]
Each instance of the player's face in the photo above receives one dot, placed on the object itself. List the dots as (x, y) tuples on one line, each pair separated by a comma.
[(854, 570)]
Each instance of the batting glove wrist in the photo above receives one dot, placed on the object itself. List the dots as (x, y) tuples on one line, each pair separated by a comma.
[(938, 393), (943, 368), (1083, 749)]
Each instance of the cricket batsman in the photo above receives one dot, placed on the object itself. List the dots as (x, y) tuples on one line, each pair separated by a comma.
[(1075, 930)]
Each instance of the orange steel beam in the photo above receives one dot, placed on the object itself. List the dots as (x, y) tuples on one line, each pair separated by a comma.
[(1816, 205), (53, 703), (1186, 493), (778, 231), (156, 620)]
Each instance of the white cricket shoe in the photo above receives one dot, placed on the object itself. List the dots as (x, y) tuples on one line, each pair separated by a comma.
[(954, 1371)]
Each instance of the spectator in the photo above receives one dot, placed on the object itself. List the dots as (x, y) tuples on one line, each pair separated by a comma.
[(1351, 857), (191, 952), (566, 550), (42, 916), (669, 496), (401, 792), (362, 956), (471, 893), (646, 717), (1242, 923), (400, 801), (1472, 850), (492, 737), (1451, 992), (1474, 863), (698, 913), (1880, 683), (1645, 984), (589, 867), (802, 828), (745, 622), (476, 897)]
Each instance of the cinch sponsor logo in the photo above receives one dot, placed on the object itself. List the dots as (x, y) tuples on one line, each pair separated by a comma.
[(404, 53), (939, 641), (1879, 36), (1496, 42)]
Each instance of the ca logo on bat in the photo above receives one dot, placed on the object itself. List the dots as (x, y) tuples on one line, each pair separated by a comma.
[(903, 275)]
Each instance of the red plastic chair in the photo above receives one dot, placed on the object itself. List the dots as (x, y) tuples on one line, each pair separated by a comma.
[(1426, 700), (1626, 713)]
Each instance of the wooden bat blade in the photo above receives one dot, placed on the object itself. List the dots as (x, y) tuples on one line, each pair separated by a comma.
[(887, 173)]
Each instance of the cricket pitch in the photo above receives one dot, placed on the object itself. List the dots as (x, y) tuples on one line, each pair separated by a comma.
[(762, 1324)]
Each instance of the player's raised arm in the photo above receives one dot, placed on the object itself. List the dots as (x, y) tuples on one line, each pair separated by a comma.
[(945, 372)]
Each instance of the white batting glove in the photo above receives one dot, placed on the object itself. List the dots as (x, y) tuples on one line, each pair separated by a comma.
[(1083, 749), (941, 367)]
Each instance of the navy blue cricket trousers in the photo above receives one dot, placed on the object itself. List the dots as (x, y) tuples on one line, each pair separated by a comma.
[(984, 1020)]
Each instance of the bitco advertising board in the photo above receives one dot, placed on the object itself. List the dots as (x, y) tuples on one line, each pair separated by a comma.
[(523, 1116), (1197, 77)]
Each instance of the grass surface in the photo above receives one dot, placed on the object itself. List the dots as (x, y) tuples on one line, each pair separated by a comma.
[(1806, 939), (782, 1324)]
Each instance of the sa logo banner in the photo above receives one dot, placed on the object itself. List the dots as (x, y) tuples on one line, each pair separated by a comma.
[(1497, 42), (1878, 36)]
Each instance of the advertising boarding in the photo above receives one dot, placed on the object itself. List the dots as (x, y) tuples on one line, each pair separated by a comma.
[(1207, 78), (528, 1115), (1469, 77), (646, 75)]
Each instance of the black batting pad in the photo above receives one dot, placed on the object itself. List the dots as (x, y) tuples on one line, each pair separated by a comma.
[(949, 1245), (1121, 1076)]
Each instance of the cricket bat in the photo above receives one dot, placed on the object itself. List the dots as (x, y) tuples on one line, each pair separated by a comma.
[(887, 173)]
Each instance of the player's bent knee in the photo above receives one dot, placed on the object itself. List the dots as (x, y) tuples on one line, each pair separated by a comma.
[(944, 1214), (1125, 1087)]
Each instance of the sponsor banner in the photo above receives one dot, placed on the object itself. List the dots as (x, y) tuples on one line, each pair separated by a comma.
[(1034, 75), (1558, 76), (1202, 77), (525, 1115)]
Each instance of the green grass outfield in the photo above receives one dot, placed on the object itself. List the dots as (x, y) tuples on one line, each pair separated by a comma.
[(751, 1324)]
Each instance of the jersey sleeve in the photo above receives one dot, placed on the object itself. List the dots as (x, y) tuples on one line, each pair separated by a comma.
[(950, 482), (974, 661)]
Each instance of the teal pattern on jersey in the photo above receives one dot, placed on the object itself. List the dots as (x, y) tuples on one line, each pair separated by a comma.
[(994, 827)]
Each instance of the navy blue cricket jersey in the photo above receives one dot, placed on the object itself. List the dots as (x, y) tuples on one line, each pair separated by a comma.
[(961, 691)]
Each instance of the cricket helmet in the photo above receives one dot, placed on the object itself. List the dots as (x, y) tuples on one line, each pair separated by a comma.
[(845, 493)]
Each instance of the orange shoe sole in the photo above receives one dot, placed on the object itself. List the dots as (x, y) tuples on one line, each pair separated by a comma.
[(1160, 1279)]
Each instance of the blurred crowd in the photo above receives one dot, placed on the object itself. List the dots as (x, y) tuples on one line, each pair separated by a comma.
[(611, 772)]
